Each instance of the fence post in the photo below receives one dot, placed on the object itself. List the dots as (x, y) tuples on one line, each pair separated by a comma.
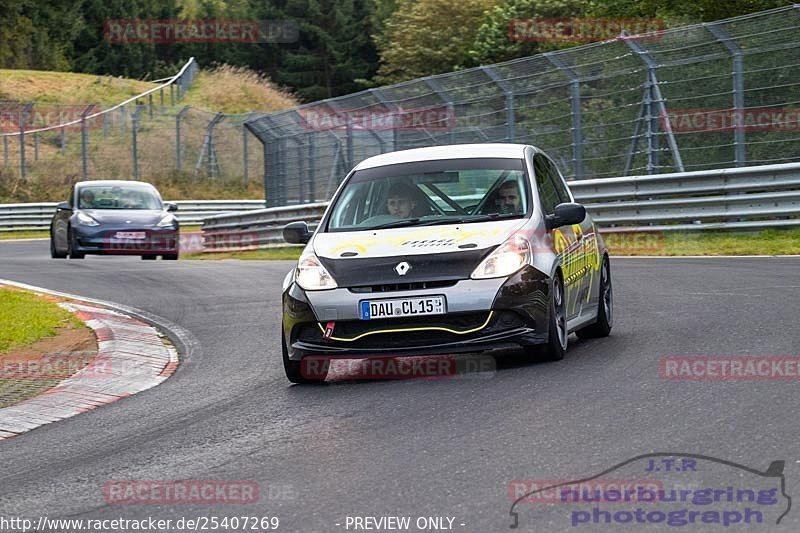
[(23, 119), (5, 150), (575, 104), (123, 119), (209, 149), (246, 176), (36, 146), (150, 104), (64, 140), (105, 126), (738, 91), (653, 95), (134, 146), (178, 152), (172, 94), (85, 141), (436, 87), (378, 93)]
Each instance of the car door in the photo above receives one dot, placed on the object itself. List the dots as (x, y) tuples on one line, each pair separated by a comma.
[(584, 255), (563, 238)]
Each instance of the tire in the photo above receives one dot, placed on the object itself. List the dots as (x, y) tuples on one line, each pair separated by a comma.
[(149, 257), (170, 257), (73, 254), (557, 334), (54, 253), (605, 307), (293, 369)]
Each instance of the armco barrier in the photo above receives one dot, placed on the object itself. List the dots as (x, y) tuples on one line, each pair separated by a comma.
[(14, 217), (736, 198)]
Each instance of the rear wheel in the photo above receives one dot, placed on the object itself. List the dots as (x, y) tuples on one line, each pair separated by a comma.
[(72, 253), (149, 257), (556, 345), (170, 257), (605, 307)]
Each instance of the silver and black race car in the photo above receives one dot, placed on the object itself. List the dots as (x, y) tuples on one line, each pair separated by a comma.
[(443, 250), (114, 218)]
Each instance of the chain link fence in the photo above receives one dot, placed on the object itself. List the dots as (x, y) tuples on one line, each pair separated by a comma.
[(700, 97), (150, 134)]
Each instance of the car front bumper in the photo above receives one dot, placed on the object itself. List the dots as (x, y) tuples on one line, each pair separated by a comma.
[(103, 240), (481, 314)]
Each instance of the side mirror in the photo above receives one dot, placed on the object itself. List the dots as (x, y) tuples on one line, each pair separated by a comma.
[(565, 215), (172, 207), (63, 206), (296, 233)]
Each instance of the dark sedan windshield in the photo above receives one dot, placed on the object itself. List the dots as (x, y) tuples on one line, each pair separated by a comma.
[(432, 192), (117, 197)]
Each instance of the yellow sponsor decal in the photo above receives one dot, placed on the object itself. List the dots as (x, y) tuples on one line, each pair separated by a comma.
[(579, 256)]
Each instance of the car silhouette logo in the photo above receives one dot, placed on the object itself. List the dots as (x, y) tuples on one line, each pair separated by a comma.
[(402, 268)]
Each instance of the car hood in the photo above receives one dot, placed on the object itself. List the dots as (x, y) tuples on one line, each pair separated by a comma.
[(419, 240), (126, 216)]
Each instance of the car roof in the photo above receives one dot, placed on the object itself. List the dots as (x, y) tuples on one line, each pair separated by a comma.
[(453, 151), (114, 183)]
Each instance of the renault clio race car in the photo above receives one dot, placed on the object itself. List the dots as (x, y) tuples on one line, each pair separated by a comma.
[(444, 250)]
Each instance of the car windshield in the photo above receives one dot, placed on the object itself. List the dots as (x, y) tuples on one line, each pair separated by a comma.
[(432, 192), (117, 197)]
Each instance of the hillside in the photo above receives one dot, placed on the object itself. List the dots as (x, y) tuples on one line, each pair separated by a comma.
[(224, 89)]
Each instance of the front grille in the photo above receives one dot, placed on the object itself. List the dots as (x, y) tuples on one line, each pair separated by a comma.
[(348, 329), (394, 287)]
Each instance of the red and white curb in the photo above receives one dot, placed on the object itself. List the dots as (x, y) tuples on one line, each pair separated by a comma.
[(132, 357)]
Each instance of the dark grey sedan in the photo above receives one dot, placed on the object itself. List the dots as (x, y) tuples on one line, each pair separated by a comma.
[(116, 218)]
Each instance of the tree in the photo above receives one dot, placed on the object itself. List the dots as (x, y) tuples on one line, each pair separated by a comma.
[(333, 51), (426, 37)]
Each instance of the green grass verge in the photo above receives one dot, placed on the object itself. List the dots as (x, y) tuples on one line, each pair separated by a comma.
[(25, 234), (26, 318), (710, 243), (282, 253)]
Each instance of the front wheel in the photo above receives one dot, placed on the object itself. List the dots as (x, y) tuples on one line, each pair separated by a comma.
[(72, 253), (556, 345), (294, 369), (605, 307), (54, 253), (170, 257)]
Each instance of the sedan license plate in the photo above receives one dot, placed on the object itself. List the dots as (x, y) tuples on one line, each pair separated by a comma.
[(131, 235), (425, 305)]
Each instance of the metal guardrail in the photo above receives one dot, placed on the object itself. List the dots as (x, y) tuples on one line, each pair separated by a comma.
[(736, 198), (15, 217)]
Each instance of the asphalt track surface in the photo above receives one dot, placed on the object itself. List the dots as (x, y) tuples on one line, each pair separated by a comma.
[(419, 447)]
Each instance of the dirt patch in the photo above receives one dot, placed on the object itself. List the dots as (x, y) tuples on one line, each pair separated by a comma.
[(30, 370)]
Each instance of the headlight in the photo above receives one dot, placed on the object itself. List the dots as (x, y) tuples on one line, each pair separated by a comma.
[(86, 220), (505, 260), (311, 275), (167, 221)]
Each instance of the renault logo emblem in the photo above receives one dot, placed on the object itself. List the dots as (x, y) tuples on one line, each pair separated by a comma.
[(402, 268)]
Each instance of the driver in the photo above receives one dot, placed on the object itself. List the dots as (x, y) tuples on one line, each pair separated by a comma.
[(400, 201), (87, 199), (508, 198)]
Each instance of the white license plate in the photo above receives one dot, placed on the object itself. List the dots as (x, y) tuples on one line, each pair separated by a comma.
[(131, 235), (425, 305)]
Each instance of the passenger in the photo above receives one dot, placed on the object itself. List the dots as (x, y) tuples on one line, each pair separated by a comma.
[(508, 198), (400, 201)]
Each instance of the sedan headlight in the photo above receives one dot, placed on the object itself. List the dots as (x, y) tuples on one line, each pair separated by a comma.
[(311, 275), (505, 260), (166, 222), (86, 220)]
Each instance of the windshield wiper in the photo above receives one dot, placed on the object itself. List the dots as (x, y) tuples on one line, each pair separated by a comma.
[(441, 221)]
